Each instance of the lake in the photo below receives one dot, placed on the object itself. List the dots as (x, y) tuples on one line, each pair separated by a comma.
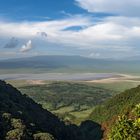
[(60, 76)]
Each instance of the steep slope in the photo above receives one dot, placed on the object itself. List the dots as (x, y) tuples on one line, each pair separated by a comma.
[(22, 119), (120, 104), (25, 109), (109, 113)]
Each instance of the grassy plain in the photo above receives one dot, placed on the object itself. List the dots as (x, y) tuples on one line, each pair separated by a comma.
[(72, 101)]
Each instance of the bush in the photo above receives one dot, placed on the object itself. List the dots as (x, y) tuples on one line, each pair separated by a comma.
[(127, 128), (15, 134), (43, 136)]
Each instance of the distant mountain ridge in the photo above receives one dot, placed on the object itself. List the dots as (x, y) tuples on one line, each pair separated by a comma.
[(60, 63)]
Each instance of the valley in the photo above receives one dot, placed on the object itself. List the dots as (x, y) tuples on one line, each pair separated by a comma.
[(74, 101), (69, 70), (80, 94), (71, 101), (82, 104)]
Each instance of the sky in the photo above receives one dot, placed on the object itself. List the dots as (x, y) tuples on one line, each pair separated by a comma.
[(101, 29)]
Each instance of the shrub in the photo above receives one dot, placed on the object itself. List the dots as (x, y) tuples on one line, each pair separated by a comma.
[(127, 128), (43, 136)]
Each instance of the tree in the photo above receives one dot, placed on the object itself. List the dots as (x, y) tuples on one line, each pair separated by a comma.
[(43, 136)]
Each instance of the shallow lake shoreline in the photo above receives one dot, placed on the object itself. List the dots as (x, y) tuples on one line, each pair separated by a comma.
[(61, 76)]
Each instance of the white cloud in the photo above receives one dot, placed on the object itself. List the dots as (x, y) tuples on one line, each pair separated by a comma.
[(94, 55), (121, 7), (27, 47), (29, 29), (113, 34), (12, 43)]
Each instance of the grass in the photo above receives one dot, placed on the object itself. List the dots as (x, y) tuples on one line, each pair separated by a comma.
[(66, 99), (118, 86), (81, 115), (62, 110), (68, 112)]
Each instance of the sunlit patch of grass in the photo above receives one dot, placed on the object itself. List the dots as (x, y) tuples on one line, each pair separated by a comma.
[(64, 109)]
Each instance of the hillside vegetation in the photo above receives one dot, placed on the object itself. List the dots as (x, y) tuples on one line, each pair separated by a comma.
[(127, 125), (23, 119), (62, 94), (120, 104), (70, 101)]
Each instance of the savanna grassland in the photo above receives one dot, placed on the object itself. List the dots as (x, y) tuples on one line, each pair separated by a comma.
[(71, 101)]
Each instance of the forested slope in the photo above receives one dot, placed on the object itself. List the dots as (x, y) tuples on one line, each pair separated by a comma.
[(120, 104), (120, 116), (22, 119)]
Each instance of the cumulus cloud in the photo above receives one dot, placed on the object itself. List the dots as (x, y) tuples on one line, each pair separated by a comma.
[(121, 7), (42, 34), (113, 34), (13, 42), (27, 47)]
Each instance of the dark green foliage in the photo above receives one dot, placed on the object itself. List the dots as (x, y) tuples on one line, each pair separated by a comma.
[(118, 105), (13, 129), (20, 116), (43, 136), (60, 94), (92, 130), (23, 119), (126, 128)]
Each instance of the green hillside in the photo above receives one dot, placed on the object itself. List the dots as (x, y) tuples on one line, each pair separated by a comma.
[(62, 94), (120, 104), (69, 100), (126, 127), (120, 116), (23, 119)]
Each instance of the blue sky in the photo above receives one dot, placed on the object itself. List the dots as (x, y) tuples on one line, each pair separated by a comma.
[(35, 10), (38, 9), (91, 28)]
